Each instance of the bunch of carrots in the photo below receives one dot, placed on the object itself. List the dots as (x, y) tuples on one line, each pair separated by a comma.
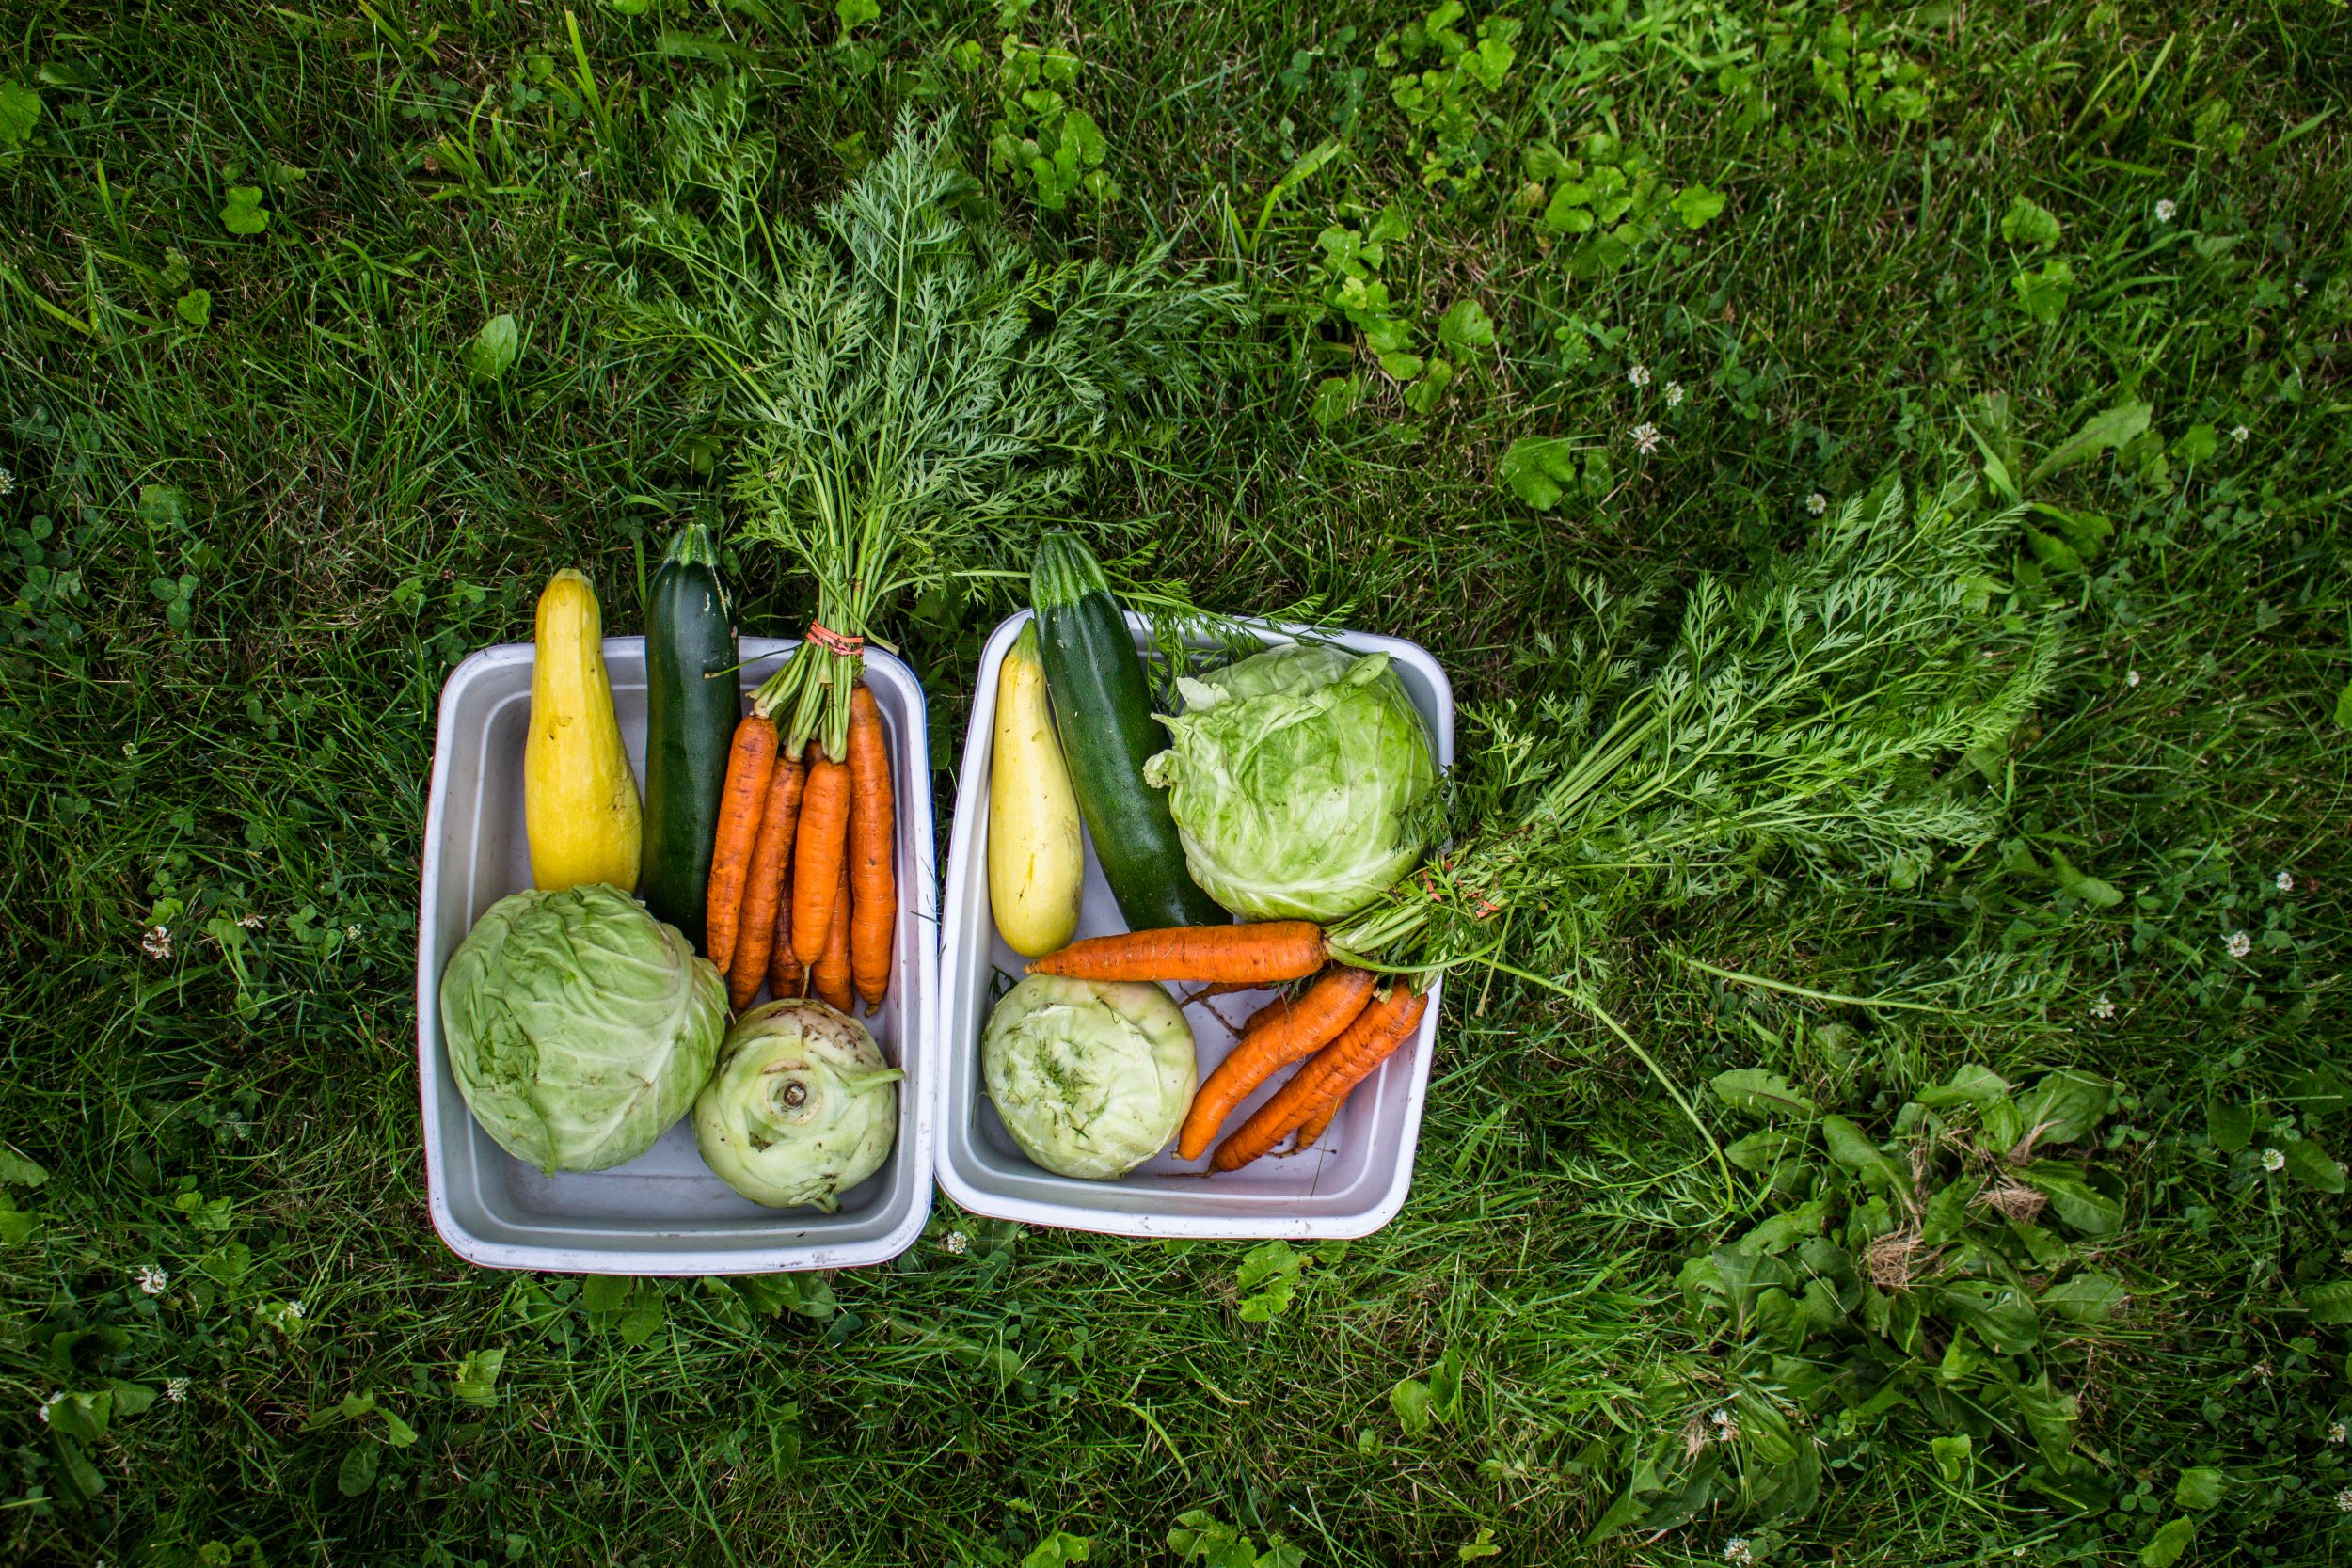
[(1338, 1026), (802, 889)]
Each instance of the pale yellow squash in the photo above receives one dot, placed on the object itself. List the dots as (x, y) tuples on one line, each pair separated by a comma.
[(1036, 859), (579, 795)]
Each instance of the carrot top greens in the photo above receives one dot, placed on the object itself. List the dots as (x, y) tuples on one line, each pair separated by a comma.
[(915, 391), (1850, 707)]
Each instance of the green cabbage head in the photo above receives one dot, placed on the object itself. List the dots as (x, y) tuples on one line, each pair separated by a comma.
[(801, 1107), (580, 1027), (1090, 1077), (1294, 780)]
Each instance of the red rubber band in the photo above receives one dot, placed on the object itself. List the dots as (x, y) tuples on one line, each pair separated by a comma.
[(833, 642)]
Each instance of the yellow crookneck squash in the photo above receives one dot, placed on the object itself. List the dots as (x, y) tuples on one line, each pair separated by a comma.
[(579, 795), (1036, 859)]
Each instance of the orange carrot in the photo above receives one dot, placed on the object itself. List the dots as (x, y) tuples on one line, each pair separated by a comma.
[(1259, 954), (785, 977), (830, 974), (751, 758), (763, 886), (1338, 1067), (873, 851), (817, 856), (1282, 1032), (1316, 1125)]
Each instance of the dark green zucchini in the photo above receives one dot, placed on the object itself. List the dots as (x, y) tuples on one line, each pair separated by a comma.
[(1103, 709), (691, 704)]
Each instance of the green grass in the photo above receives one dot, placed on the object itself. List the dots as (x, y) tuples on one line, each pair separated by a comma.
[(243, 556)]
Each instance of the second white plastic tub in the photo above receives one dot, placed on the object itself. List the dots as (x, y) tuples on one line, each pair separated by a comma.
[(1350, 1183)]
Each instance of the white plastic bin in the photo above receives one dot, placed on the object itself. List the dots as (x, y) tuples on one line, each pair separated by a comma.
[(662, 1213), (1351, 1184)]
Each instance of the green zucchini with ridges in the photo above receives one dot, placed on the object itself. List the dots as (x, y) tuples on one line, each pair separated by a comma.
[(1103, 709), (692, 703)]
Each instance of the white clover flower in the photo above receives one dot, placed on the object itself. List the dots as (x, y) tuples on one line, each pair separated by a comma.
[(2239, 433), (2284, 882), (2240, 944), (2131, 678), (1817, 503), (157, 943), (351, 933), (1737, 1550), (152, 1277), (2343, 1500), (2103, 1007), (176, 1389), (2262, 1370), (283, 1316), (1638, 375), (1673, 394), (251, 922), (1646, 438), (956, 1242), (7, 482), (2274, 1160), (2335, 1432), (2165, 210)]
